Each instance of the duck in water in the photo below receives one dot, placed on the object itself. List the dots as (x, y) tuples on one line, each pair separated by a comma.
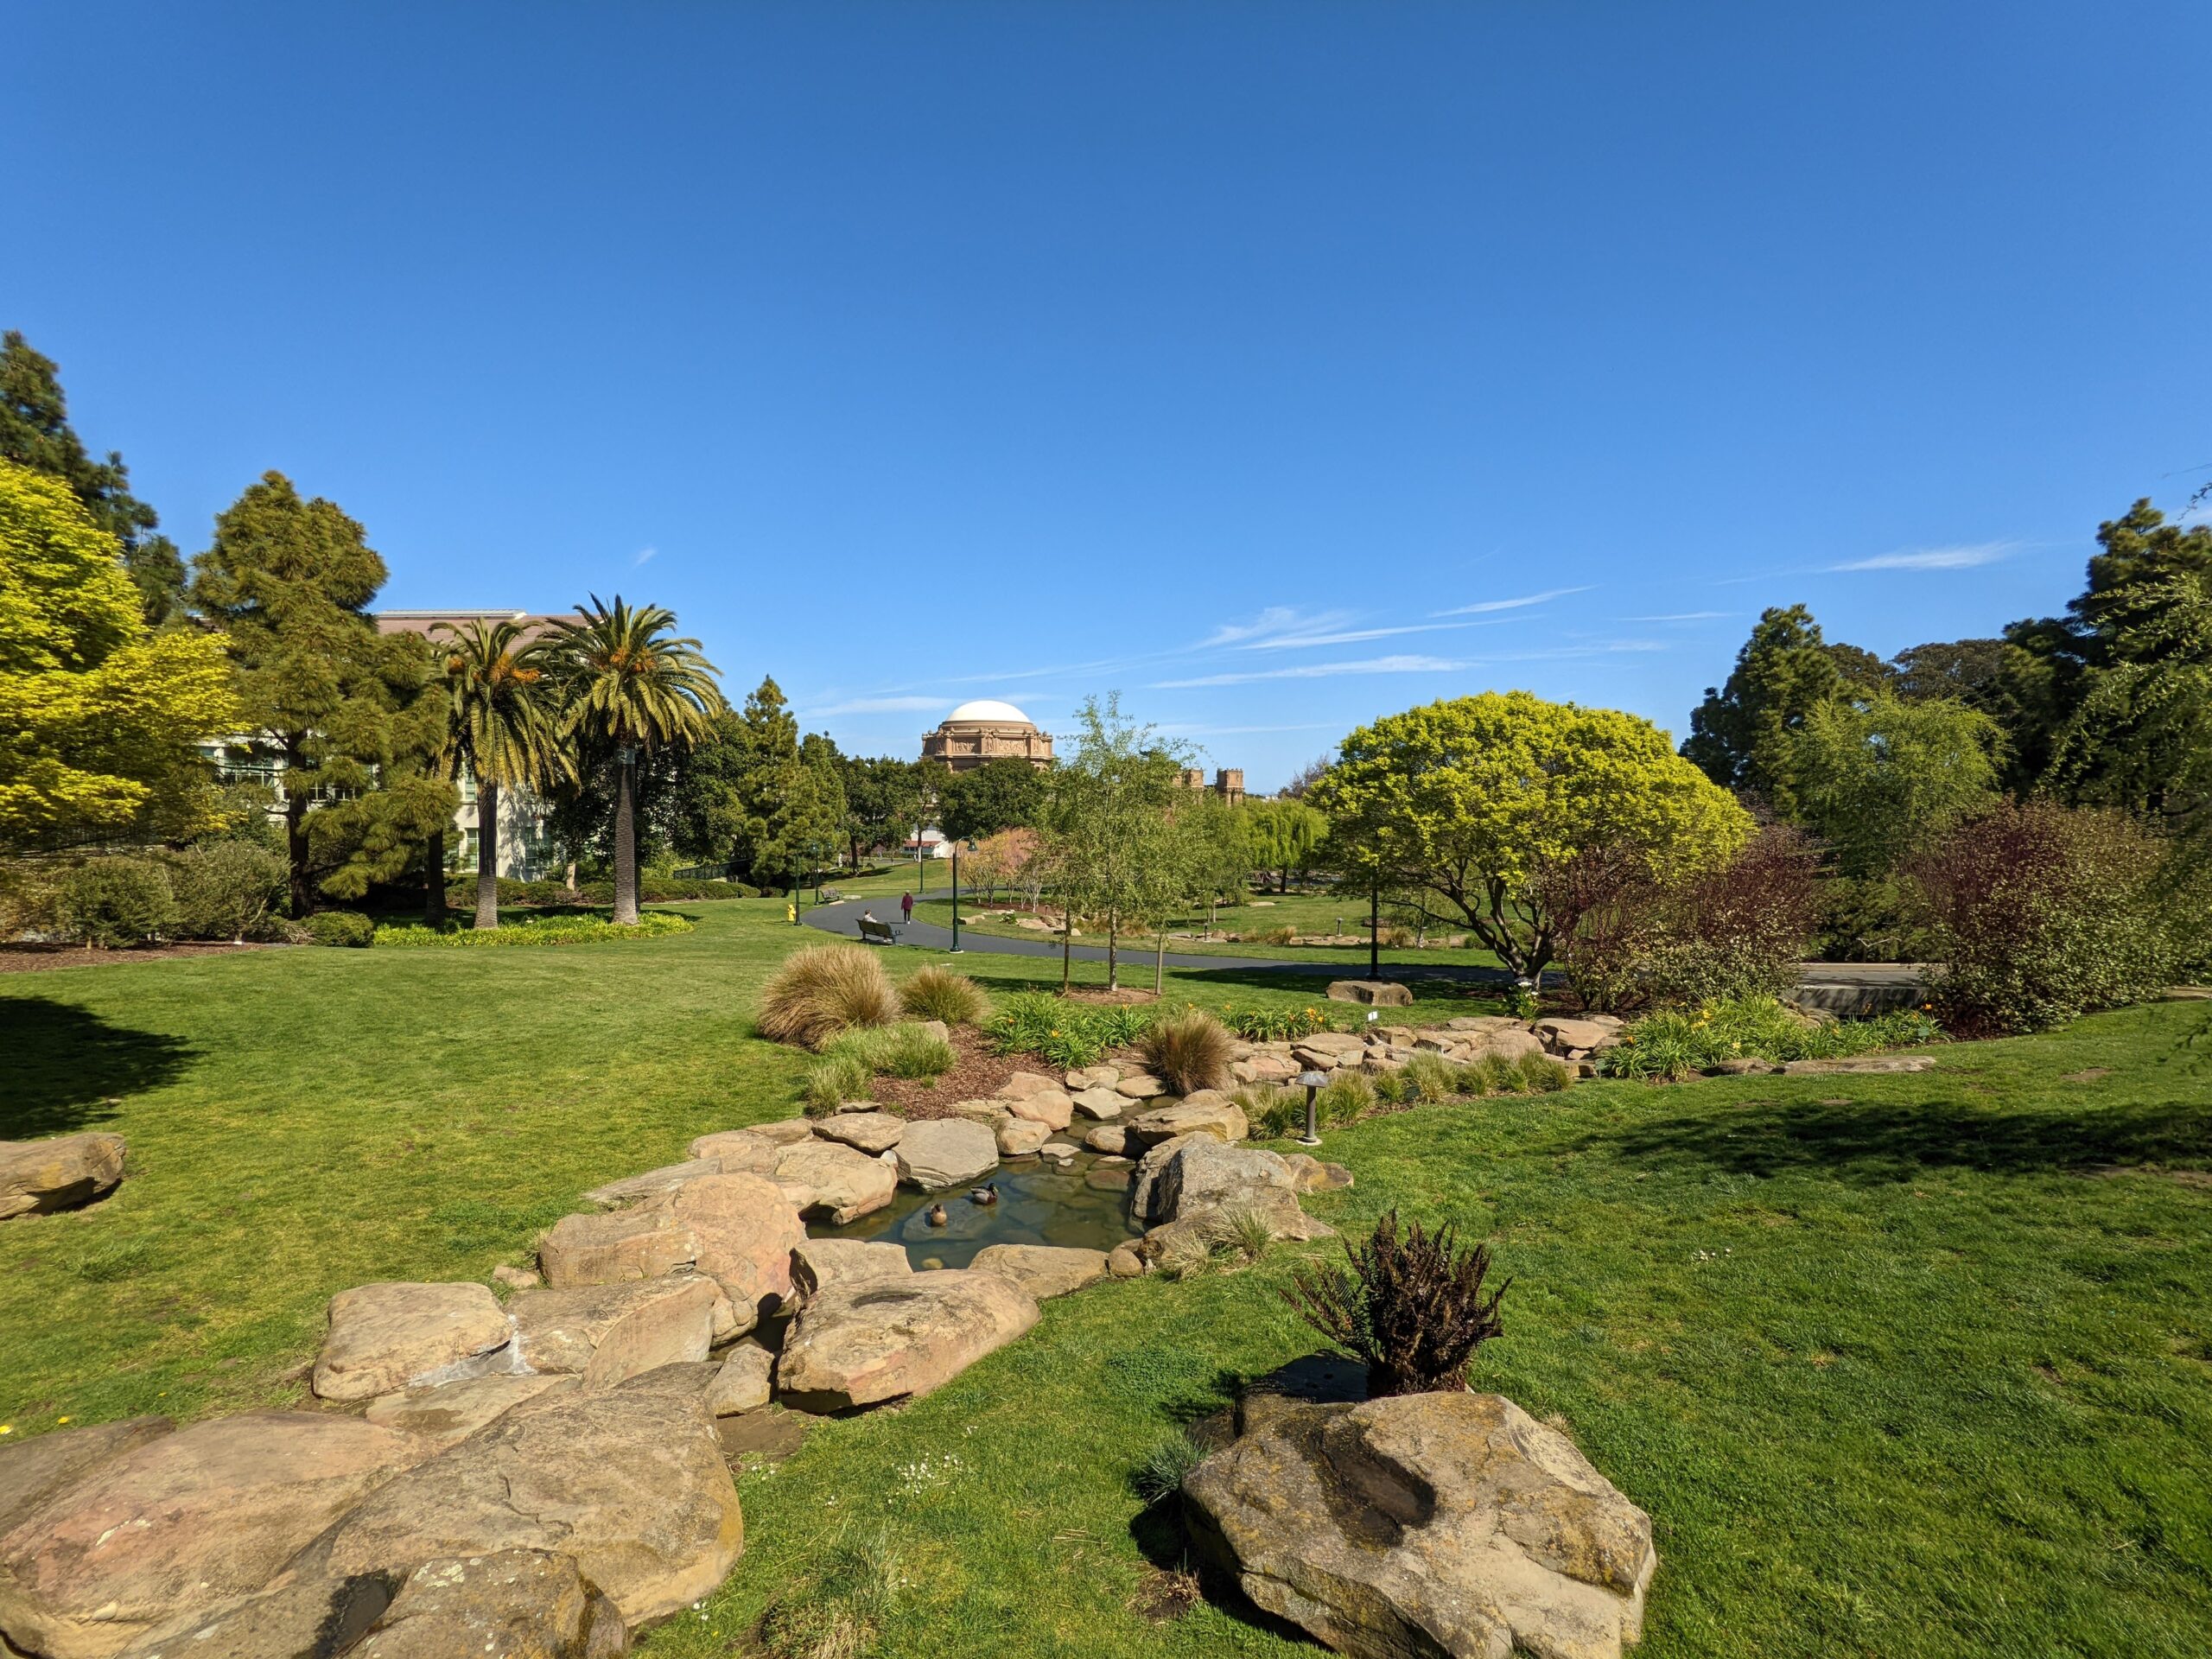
[(986, 1194), (937, 1215)]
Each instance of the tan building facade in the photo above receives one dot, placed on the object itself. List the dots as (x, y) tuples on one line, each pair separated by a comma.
[(984, 730)]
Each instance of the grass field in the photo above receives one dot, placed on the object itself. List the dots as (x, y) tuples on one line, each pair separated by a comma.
[(1900, 1365)]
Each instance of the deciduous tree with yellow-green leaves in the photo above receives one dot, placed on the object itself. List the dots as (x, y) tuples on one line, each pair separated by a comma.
[(98, 713), (1466, 806)]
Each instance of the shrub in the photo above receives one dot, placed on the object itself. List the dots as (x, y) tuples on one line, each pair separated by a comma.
[(1248, 1233), (1412, 1308), (1187, 1050), (1432, 1077), (534, 929), (899, 1051), (833, 1080), (1274, 1024), (1395, 1087), (111, 902), (1275, 936), (1067, 1034), (347, 928), (1673, 1044), (1272, 1110), (938, 993), (227, 889), (1347, 1096), (2045, 913), (1540, 1074), (823, 989)]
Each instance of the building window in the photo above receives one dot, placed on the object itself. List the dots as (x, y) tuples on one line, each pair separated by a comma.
[(469, 852)]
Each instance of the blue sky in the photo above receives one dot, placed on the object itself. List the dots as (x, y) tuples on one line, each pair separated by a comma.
[(1280, 366)]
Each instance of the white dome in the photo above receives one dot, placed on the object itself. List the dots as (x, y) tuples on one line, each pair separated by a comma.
[(984, 708)]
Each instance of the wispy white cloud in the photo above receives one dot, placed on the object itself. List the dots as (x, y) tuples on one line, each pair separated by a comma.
[(1275, 621), (643, 554), (1520, 603), (1348, 635), (1319, 671), (1963, 558), (1684, 616), (884, 706)]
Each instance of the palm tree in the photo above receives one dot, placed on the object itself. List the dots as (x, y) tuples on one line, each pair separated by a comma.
[(632, 687), (504, 729)]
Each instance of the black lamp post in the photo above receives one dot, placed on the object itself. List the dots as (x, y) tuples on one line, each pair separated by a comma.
[(956, 898)]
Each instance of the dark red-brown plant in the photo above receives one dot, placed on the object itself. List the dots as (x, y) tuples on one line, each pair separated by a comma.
[(1411, 1307)]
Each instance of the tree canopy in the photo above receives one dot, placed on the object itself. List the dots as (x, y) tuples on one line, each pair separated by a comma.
[(1882, 777), (1741, 737), (99, 714), (1467, 804), (34, 432), (1003, 793)]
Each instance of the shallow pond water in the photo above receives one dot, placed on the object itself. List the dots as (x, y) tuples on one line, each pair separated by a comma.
[(1081, 1203)]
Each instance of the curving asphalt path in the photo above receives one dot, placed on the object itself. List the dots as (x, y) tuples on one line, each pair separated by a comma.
[(844, 917)]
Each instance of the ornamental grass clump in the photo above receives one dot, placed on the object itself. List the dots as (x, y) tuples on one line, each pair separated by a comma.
[(822, 990), (938, 993), (1272, 1111), (1432, 1077), (1349, 1097), (1187, 1050), (1413, 1307)]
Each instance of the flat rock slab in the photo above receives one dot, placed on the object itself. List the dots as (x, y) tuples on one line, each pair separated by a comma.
[(450, 1413), (1570, 1034), (817, 1263), (946, 1152), (847, 1183), (303, 1620), (1429, 1523), (1214, 1114), (187, 1520), (1374, 993), (861, 1345), (1310, 1174), (1043, 1270), (69, 1170), (868, 1132), (631, 1483), (1020, 1137), (1110, 1138), (1027, 1083), (1101, 1101), (387, 1337), (33, 1472), (615, 1247), (1865, 1064), (744, 1228), (654, 1183), (1047, 1106), (1140, 1087), (747, 1151), (608, 1333), (515, 1603)]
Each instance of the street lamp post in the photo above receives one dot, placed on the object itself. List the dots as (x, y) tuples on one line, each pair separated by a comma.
[(956, 898)]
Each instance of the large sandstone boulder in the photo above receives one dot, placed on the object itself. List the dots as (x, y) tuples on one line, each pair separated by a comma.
[(388, 1336), (1018, 1137), (1874, 1065), (1429, 1523), (1575, 1038), (946, 1152), (820, 1262), (1027, 1083), (308, 1620), (183, 1521), (1203, 1175), (1100, 1102), (516, 1603), (1046, 1106), (1374, 993), (846, 1183), (34, 1471), (744, 1228), (1110, 1138), (1207, 1112), (630, 1482), (613, 1247), (654, 1184), (451, 1411), (1043, 1270), (1310, 1174), (1148, 1171), (746, 1151), (1140, 1086), (862, 1344), (608, 1333), (868, 1132), (744, 1381), (37, 1176)]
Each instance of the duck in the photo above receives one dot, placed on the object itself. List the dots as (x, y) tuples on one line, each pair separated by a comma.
[(937, 1215), (985, 1194)]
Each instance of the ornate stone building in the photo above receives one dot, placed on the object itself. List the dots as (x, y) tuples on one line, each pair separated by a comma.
[(1227, 782), (984, 730)]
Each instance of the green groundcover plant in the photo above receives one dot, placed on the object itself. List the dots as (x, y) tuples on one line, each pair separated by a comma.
[(545, 930), (1681, 1043), (1067, 1034)]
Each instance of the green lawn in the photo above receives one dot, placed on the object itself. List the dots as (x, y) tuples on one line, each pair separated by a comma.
[(1901, 1366)]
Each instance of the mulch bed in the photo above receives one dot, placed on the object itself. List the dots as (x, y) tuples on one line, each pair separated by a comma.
[(31, 958), (975, 1071)]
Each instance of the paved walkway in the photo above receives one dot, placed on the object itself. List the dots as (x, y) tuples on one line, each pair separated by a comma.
[(844, 917)]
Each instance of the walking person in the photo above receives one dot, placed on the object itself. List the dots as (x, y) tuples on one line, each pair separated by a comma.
[(906, 907)]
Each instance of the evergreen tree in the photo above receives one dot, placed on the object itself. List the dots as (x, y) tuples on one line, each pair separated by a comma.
[(1000, 794), (350, 713), (34, 432), (1741, 735), (885, 798)]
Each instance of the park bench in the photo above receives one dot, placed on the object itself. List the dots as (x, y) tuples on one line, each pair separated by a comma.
[(873, 933)]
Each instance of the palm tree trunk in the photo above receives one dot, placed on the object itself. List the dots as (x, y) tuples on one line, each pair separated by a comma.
[(487, 854), (434, 878), (626, 851)]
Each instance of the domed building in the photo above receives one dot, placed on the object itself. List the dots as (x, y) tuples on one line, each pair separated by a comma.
[(985, 730)]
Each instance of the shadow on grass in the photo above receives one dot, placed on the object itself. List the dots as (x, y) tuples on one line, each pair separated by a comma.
[(1882, 1142), (65, 1067)]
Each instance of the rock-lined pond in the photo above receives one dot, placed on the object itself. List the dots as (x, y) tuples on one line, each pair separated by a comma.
[(1082, 1201)]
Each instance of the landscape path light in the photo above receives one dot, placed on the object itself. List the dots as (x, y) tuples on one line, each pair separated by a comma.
[(1312, 1082)]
